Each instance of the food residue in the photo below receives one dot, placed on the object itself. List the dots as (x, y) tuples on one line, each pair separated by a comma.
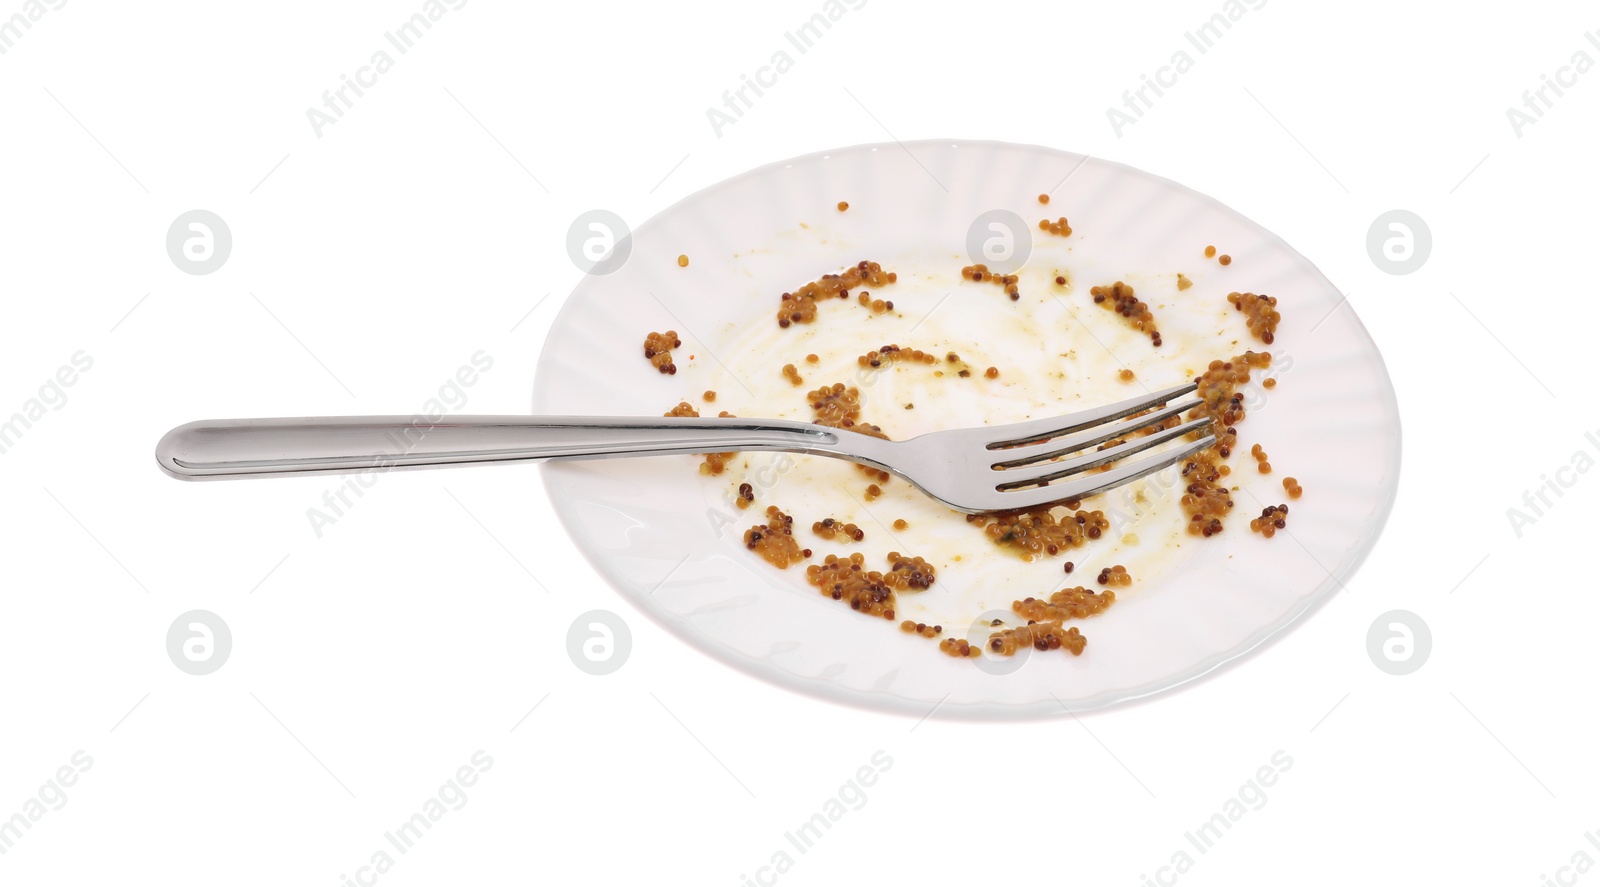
[(1120, 298), (828, 528), (1068, 603), (658, 350), (774, 541), (714, 463), (1030, 534), (1059, 227), (1273, 518), (1261, 314), (800, 306), (981, 273), (1115, 575)]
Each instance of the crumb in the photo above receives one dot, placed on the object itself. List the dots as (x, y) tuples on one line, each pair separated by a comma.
[(1120, 299), (1261, 314), (800, 306), (981, 273), (1115, 575), (774, 541), (1059, 227), (829, 528), (1273, 518), (658, 350)]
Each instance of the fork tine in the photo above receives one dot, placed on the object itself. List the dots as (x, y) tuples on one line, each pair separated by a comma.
[(1039, 430), (1045, 472), (1054, 448), (1089, 485)]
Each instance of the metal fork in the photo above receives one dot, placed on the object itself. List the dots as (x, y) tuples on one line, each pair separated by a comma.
[(992, 468)]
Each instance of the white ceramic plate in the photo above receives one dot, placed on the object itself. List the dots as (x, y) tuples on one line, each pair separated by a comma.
[(669, 539)]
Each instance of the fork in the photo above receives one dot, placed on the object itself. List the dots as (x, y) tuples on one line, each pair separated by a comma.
[(992, 468)]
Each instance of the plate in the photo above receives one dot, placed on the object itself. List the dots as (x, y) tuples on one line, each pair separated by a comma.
[(670, 538)]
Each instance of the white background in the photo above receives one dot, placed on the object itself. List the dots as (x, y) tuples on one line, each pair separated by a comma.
[(372, 261)]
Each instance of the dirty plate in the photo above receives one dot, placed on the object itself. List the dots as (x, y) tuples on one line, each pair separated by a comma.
[(670, 538)]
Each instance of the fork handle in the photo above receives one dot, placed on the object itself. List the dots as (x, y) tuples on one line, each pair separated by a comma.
[(235, 448)]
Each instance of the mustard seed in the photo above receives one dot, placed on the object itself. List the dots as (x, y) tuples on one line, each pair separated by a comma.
[(1120, 299)]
